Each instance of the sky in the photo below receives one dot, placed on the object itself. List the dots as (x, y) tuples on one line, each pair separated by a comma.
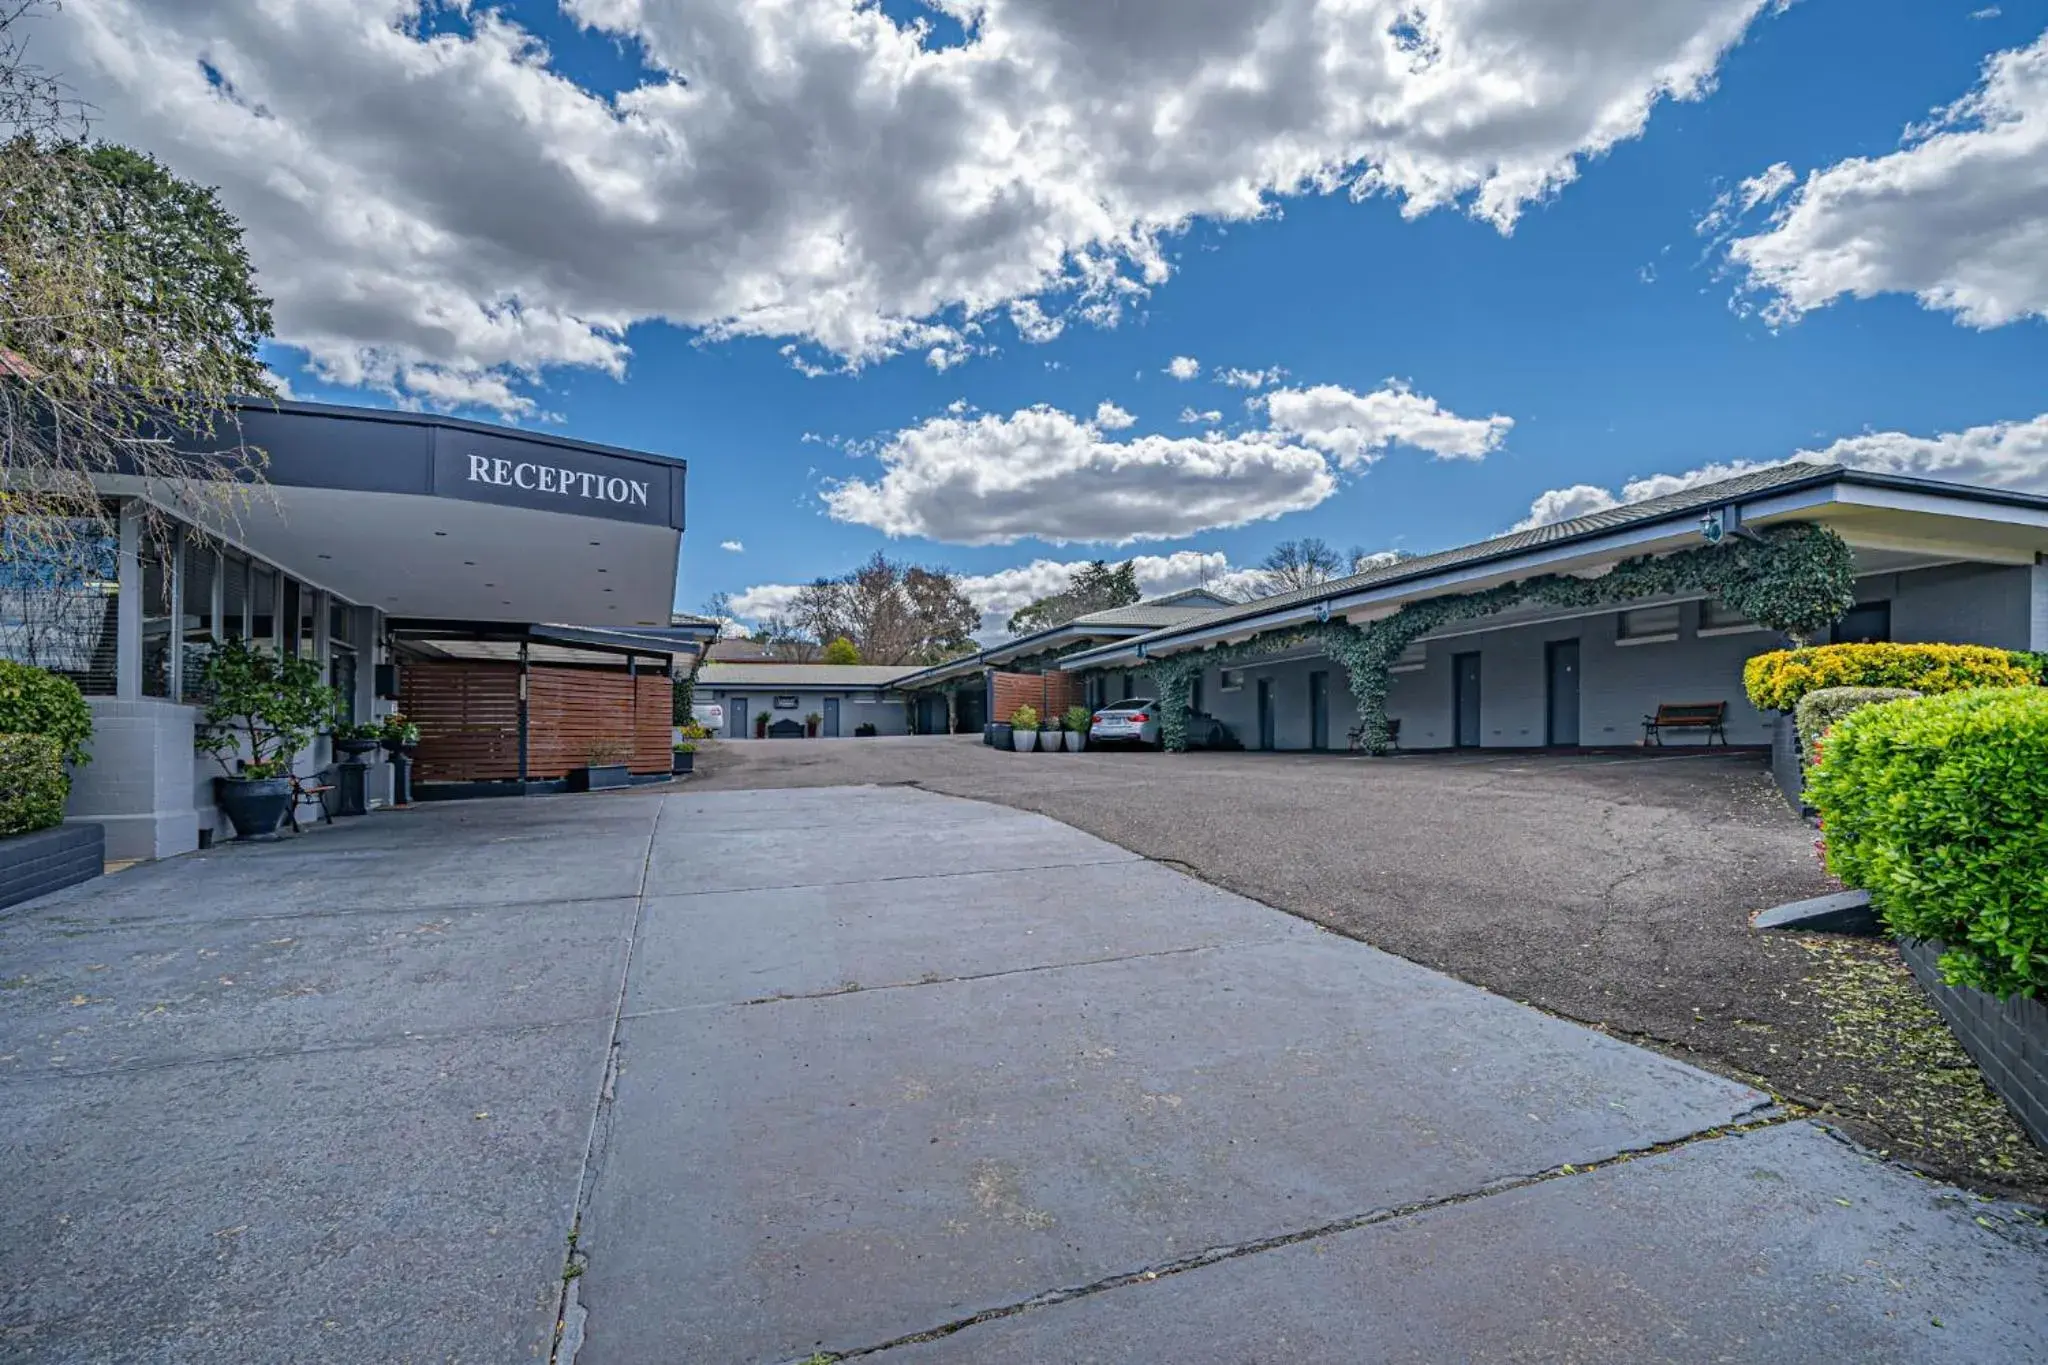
[(1008, 285)]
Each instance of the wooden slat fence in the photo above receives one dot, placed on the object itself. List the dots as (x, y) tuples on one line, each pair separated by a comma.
[(468, 714)]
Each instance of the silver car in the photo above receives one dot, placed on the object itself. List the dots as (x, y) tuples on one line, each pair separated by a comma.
[(1134, 720)]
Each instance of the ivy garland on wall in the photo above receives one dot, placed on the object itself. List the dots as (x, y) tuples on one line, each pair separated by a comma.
[(1796, 579)]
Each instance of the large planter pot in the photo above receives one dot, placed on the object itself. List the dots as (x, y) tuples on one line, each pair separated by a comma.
[(356, 748), (686, 761), (1074, 740), (1000, 736), (1024, 740), (255, 806), (599, 777)]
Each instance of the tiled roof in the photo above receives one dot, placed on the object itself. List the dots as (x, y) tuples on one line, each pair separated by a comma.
[(1699, 497)]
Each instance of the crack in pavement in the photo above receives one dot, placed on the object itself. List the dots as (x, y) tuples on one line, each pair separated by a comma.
[(855, 988), (1764, 1114), (569, 1312)]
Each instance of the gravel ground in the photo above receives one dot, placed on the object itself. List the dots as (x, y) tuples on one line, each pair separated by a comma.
[(1611, 890)]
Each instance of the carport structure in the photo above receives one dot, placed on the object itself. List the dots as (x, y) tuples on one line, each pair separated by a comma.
[(1503, 665)]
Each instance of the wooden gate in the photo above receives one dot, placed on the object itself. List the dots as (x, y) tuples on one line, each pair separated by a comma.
[(468, 714)]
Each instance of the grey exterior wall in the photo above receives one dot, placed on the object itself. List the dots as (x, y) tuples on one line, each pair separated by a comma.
[(141, 784), (1619, 683), (884, 710)]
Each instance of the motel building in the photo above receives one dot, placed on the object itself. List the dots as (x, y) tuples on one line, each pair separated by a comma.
[(1935, 562), (509, 591)]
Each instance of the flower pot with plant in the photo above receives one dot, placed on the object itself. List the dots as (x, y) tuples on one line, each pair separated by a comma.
[(398, 734), (261, 709), (1024, 729), (1077, 718), (811, 724), (604, 768), (354, 741), (687, 738), (761, 725)]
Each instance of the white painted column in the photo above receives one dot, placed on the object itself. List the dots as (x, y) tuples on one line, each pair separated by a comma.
[(2038, 633), (128, 606)]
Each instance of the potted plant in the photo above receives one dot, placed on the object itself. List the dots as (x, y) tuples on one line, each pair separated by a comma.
[(865, 730), (687, 738), (761, 725), (1077, 728), (261, 709), (811, 724), (398, 735), (1024, 728), (604, 768), (354, 741)]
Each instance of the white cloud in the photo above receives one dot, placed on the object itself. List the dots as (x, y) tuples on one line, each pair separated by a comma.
[(1988, 12), (1358, 428), (1730, 205), (1954, 217), (765, 600), (1997, 455), (1040, 472), (732, 547), (1110, 417), (1183, 367), (1250, 379), (1033, 324), (441, 195), (1194, 418)]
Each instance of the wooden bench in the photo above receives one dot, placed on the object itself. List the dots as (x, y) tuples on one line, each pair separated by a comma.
[(305, 793), (1710, 716)]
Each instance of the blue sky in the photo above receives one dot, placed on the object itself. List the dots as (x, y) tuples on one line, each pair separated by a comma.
[(1619, 340)]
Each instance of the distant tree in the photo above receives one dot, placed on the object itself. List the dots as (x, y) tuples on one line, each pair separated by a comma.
[(890, 612), (787, 641), (841, 651), (128, 308), (1096, 586), (1297, 564)]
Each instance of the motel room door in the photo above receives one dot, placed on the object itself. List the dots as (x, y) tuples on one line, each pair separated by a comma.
[(831, 727), (1265, 713), (1561, 665), (1465, 699), (736, 718), (1318, 710)]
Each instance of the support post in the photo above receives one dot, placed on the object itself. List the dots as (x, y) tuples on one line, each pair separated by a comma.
[(524, 713), (128, 605)]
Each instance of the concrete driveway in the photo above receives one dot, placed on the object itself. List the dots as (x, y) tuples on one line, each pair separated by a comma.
[(870, 1071)]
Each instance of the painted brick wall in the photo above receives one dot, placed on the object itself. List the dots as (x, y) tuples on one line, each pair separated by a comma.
[(2009, 1040)]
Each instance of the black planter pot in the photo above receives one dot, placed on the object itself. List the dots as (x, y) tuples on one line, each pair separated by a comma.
[(599, 777), (356, 748), (686, 761), (999, 735), (255, 806)]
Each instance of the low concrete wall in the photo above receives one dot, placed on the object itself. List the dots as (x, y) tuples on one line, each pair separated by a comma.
[(2007, 1039), (143, 782), (49, 860)]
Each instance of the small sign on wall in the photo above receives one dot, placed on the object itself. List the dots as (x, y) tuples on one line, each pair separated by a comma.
[(785, 703)]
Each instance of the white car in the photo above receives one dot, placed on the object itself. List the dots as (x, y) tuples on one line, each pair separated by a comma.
[(1134, 721), (710, 715)]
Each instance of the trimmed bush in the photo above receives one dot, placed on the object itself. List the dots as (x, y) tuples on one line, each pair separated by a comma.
[(33, 786), (1818, 712), (1024, 718), (1939, 809), (35, 702), (1777, 681)]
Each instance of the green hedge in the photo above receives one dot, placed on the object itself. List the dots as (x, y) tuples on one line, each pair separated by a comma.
[(1820, 711), (1777, 681), (1939, 808), (33, 786), (33, 702)]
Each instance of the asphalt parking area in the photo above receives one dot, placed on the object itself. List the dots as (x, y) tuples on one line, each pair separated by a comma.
[(1612, 889)]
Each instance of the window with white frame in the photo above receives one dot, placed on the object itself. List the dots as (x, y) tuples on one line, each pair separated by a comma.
[(1716, 619), (1649, 625), (1230, 680)]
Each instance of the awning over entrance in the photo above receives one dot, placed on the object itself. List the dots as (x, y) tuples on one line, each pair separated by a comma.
[(423, 516)]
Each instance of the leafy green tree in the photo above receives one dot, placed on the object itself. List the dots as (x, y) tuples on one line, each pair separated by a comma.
[(1096, 586), (130, 311), (841, 651)]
